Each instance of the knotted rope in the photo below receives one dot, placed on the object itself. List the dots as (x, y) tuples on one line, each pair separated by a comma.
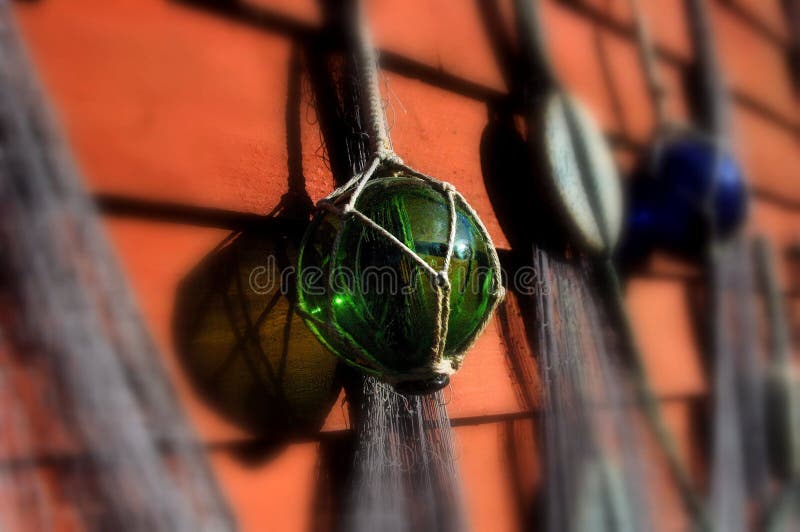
[(342, 203)]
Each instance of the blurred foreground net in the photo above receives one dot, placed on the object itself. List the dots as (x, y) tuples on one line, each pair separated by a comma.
[(738, 448), (91, 434), (598, 469), (756, 412)]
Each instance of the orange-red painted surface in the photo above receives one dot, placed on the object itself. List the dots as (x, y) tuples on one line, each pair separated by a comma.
[(164, 102)]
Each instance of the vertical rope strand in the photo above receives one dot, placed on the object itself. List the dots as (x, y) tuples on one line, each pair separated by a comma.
[(646, 396), (649, 59), (714, 94), (540, 71), (369, 85)]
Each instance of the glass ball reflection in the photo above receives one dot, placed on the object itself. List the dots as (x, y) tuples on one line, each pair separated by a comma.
[(372, 304)]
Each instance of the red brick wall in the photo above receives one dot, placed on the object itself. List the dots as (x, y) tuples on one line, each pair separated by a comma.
[(167, 103)]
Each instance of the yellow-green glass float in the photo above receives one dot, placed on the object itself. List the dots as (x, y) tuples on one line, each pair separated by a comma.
[(400, 279)]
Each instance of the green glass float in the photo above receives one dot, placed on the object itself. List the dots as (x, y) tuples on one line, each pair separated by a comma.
[(376, 286)]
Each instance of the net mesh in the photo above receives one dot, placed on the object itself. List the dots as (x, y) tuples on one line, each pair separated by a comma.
[(95, 436), (597, 468)]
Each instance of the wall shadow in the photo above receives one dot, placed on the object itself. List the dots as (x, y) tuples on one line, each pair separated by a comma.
[(238, 335), (333, 472), (521, 453), (522, 210), (244, 347)]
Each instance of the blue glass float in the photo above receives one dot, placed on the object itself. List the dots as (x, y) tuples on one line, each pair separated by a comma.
[(667, 195)]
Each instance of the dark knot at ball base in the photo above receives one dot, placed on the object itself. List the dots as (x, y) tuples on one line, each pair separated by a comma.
[(422, 387)]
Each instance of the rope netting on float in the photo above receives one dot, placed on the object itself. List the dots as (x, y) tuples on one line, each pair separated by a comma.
[(92, 433), (405, 342)]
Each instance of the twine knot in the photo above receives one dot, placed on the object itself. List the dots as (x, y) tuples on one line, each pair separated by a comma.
[(447, 188), (387, 155)]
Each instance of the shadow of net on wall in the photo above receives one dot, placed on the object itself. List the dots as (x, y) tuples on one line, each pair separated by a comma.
[(244, 347)]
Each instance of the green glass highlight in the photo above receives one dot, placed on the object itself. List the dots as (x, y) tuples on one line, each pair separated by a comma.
[(370, 302)]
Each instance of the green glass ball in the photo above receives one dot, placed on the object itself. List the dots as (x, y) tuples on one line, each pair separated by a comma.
[(372, 304)]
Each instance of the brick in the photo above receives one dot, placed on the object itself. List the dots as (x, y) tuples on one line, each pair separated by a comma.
[(167, 103), (666, 21), (767, 154), (659, 310), (753, 65), (766, 12), (489, 496), (782, 227), (276, 494), (464, 47), (572, 44)]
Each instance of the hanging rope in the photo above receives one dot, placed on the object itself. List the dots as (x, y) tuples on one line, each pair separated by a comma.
[(384, 161), (668, 128), (714, 96), (647, 53), (596, 181)]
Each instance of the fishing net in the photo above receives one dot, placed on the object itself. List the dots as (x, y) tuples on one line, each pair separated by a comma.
[(412, 227), (597, 467), (403, 475), (739, 465), (755, 395), (93, 437)]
